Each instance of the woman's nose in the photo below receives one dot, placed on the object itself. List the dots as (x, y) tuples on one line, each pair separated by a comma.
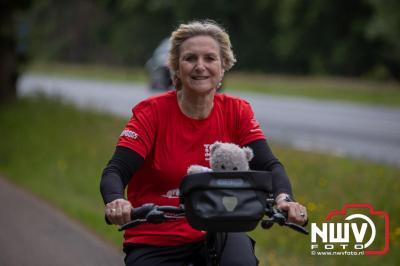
[(200, 64)]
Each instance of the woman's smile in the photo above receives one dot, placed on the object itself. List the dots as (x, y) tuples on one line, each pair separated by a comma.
[(200, 77)]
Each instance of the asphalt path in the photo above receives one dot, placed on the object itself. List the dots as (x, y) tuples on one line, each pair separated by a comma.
[(32, 232), (340, 128)]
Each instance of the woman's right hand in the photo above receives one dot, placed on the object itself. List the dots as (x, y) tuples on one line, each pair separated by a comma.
[(118, 211)]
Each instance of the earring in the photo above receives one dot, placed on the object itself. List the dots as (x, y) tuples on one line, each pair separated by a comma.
[(219, 85)]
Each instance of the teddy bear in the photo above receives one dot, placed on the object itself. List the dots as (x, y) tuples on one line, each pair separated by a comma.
[(225, 157)]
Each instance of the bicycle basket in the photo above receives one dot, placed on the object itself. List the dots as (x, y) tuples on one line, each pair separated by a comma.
[(225, 201)]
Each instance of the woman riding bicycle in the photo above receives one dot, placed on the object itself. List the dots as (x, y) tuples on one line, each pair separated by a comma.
[(171, 131)]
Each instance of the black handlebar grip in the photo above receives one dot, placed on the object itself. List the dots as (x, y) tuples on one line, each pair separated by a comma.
[(142, 211), (137, 213), (284, 213)]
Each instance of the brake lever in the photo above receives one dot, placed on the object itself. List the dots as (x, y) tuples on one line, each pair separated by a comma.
[(279, 217), (268, 223), (131, 224), (153, 217), (297, 228), (156, 217), (143, 211)]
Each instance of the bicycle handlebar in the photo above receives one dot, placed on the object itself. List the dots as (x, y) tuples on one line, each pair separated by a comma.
[(280, 217), (152, 213)]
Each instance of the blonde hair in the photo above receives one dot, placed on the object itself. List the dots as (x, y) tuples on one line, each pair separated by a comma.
[(197, 28)]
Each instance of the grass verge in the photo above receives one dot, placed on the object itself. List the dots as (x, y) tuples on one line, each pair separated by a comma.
[(58, 152), (322, 88)]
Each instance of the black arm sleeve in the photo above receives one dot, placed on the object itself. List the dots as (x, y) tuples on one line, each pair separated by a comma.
[(264, 160), (118, 173)]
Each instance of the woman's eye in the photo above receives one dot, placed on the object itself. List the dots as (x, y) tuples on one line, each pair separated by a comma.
[(211, 58), (189, 58)]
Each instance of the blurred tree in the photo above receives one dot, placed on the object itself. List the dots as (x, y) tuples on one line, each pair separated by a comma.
[(344, 37), (67, 31), (324, 37), (384, 27), (137, 27), (251, 25), (9, 56)]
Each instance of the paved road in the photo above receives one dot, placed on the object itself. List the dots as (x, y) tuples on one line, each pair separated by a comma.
[(333, 127), (34, 233)]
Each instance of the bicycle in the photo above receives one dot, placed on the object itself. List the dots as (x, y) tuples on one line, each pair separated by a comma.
[(219, 203)]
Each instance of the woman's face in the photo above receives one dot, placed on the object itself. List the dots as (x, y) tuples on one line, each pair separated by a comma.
[(200, 64)]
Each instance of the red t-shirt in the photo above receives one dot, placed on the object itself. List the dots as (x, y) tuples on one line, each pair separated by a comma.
[(170, 142)]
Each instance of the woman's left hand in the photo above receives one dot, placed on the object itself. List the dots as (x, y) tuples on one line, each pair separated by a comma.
[(297, 213)]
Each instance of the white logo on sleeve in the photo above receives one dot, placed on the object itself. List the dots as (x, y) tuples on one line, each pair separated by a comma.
[(130, 134)]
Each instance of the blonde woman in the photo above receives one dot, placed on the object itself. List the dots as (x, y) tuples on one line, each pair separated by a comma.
[(171, 131)]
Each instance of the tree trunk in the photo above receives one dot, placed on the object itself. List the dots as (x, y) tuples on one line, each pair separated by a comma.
[(8, 49), (8, 73)]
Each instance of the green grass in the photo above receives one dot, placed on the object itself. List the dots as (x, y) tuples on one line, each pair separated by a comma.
[(58, 153), (325, 183), (323, 88)]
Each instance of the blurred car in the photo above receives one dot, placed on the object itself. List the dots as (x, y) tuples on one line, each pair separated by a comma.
[(160, 76)]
